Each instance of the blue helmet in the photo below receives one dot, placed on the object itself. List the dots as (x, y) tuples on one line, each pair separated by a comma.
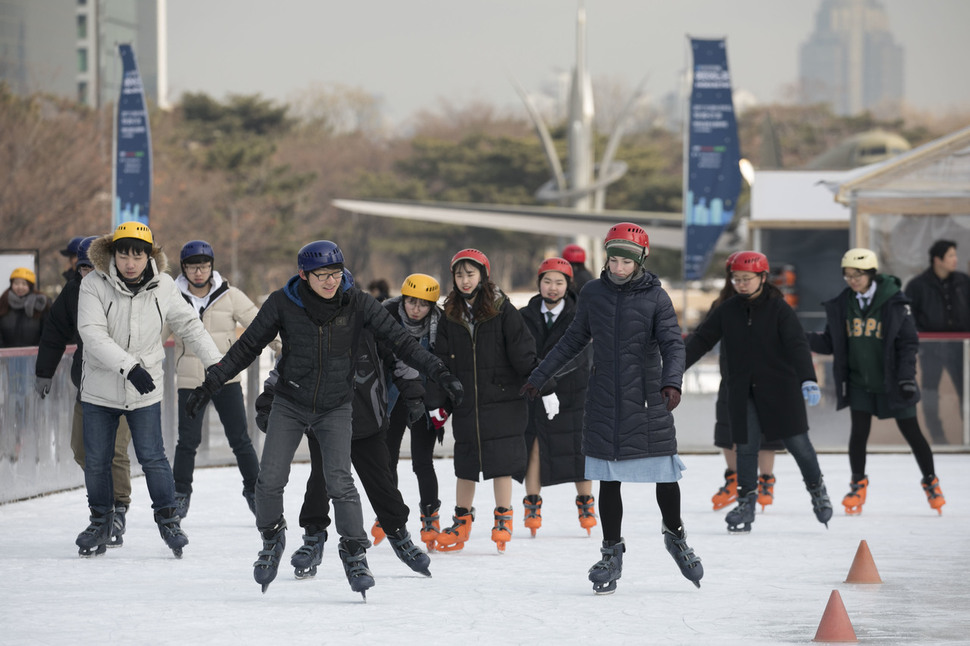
[(348, 278), (82, 251), (72, 245), (197, 248), (321, 253)]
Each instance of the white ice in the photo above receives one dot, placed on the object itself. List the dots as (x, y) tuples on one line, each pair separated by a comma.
[(768, 587)]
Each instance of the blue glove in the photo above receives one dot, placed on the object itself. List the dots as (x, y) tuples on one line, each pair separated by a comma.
[(811, 393)]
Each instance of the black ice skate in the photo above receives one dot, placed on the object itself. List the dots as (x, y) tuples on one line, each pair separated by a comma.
[(92, 541), (118, 526), (274, 541), (821, 504), (688, 562), (182, 501), (740, 518), (607, 571), (309, 555), (410, 555), (170, 530), (354, 558)]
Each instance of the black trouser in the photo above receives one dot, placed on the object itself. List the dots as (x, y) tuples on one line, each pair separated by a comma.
[(228, 402), (370, 460), (909, 427), (934, 358), (611, 507), (422, 453)]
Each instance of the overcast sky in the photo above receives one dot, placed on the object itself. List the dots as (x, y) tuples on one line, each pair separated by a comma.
[(414, 53)]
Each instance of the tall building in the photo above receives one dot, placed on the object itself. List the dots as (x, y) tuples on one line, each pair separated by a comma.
[(70, 47), (851, 60)]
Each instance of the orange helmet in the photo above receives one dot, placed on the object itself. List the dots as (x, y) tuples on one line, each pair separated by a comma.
[(750, 261)]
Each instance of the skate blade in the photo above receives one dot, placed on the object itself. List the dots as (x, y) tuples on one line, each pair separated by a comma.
[(450, 548), (742, 529), (265, 587), (604, 588), (533, 530), (500, 547), (177, 551), (89, 553), (308, 573)]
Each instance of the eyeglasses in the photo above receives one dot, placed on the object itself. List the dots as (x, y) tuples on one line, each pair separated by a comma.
[(417, 302), (851, 277), (742, 281), (197, 269), (323, 278)]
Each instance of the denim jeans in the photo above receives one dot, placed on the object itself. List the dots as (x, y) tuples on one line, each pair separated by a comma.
[(100, 431), (228, 402), (332, 429), (799, 446), (120, 465)]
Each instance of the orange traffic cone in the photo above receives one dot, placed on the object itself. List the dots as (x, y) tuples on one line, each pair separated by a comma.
[(835, 625), (863, 568)]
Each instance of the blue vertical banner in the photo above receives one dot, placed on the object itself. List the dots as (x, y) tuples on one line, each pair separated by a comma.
[(713, 178), (132, 147)]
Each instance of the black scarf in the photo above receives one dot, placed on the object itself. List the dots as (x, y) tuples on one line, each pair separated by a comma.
[(320, 310)]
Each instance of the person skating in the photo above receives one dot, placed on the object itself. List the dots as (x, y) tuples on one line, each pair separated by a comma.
[(554, 434), (23, 310), (122, 308), (770, 376), (484, 341), (319, 317), (871, 333), (628, 428), (576, 257)]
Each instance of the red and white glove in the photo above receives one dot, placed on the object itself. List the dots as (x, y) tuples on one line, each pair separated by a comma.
[(438, 418)]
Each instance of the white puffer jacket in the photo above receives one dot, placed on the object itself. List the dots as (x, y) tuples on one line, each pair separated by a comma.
[(121, 329)]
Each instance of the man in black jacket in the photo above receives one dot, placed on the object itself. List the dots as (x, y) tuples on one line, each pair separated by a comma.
[(941, 303), (319, 317)]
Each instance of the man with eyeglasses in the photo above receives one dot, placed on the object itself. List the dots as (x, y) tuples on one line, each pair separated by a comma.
[(319, 317)]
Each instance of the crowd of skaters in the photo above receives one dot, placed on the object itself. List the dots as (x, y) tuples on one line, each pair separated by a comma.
[(577, 386)]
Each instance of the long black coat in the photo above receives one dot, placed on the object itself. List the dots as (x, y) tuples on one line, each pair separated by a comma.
[(637, 351), (768, 358), (561, 438), (492, 360), (60, 330)]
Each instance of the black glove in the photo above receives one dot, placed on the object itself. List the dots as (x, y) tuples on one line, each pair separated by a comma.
[(196, 402), (416, 410), (530, 391), (264, 404), (141, 380), (671, 397), (451, 385), (907, 389), (43, 386)]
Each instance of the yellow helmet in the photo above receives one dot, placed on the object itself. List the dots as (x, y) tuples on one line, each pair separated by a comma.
[(861, 259), (135, 230), (421, 286), (26, 274)]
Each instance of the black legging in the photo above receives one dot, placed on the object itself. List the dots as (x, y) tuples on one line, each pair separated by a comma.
[(859, 438), (611, 507)]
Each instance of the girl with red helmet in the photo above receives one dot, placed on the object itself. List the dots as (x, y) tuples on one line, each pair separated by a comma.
[(770, 372), (484, 342), (628, 428)]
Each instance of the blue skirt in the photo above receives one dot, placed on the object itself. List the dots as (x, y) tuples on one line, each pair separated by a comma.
[(665, 468)]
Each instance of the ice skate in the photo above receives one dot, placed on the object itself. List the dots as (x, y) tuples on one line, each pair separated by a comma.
[(93, 540), (587, 514), (532, 515), (728, 493), (377, 533), (118, 526), (740, 518), (354, 558), (170, 530), (502, 530), (931, 485), (309, 555), (856, 497), (605, 573), (250, 497), (452, 539), (688, 562), (430, 526), (766, 490), (268, 562), (182, 501), (410, 555), (821, 504)]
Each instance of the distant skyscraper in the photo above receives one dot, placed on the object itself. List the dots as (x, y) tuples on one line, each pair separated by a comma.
[(851, 60), (70, 48)]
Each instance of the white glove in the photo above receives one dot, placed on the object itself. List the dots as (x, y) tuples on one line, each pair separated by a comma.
[(551, 403)]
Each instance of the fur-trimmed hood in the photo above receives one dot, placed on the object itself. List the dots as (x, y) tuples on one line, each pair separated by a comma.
[(101, 255)]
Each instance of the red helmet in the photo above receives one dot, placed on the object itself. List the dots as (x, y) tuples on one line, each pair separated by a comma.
[(574, 253), (628, 238), (556, 264), (730, 260), (475, 256), (750, 261)]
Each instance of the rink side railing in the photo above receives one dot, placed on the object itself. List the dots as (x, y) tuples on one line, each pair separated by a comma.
[(35, 433)]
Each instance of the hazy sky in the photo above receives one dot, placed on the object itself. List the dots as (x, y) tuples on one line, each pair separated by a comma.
[(413, 53)]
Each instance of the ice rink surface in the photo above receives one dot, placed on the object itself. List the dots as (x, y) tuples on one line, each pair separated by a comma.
[(768, 587)]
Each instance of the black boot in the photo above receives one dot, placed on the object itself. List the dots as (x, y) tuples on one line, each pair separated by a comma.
[(118, 526), (740, 518), (182, 501), (274, 541), (170, 529), (688, 562), (821, 504), (354, 558), (607, 571), (309, 555), (92, 541), (410, 555)]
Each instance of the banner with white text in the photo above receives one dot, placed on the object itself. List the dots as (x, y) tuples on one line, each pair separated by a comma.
[(132, 147)]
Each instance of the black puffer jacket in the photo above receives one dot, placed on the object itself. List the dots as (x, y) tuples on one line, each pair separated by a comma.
[(940, 306), (767, 359), (60, 331), (318, 361), (17, 329), (492, 360), (561, 438), (637, 350)]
